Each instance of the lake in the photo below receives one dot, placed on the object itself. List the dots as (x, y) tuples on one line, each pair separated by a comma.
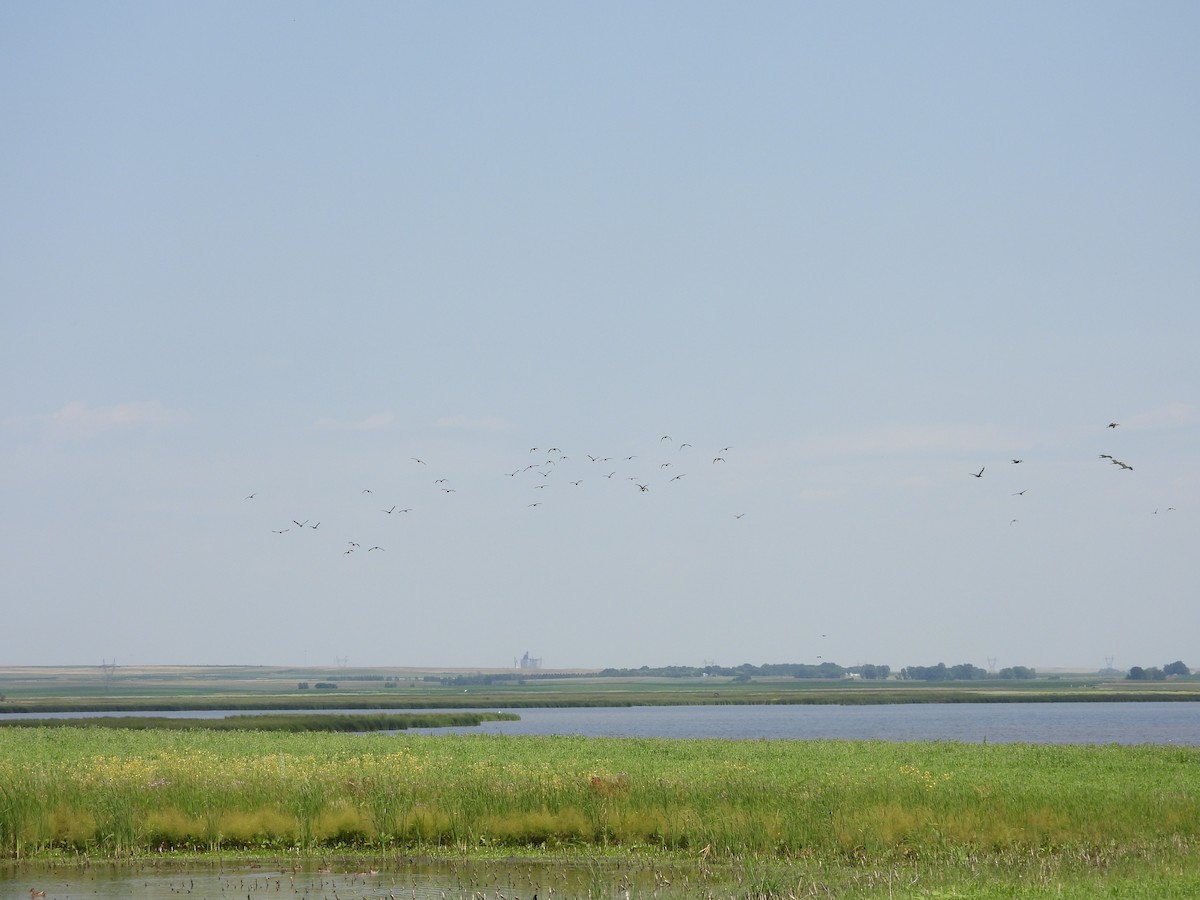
[(1143, 722)]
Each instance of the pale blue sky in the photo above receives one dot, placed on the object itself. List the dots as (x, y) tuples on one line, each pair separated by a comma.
[(283, 249)]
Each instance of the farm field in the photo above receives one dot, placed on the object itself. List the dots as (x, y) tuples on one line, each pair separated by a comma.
[(88, 688)]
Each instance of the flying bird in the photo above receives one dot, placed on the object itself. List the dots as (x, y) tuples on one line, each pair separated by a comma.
[(1020, 493), (421, 461), (1112, 424), (301, 524), (1015, 461), (251, 497), (719, 459), (978, 474), (738, 515), (284, 531), (677, 477), (644, 487), (369, 549), (389, 511)]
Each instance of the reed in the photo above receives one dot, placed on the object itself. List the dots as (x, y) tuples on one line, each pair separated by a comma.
[(859, 803)]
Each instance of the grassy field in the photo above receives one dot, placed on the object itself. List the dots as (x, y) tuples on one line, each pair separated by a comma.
[(779, 814)]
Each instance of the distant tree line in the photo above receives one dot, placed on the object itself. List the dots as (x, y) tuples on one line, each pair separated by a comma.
[(1154, 673), (749, 670), (962, 672)]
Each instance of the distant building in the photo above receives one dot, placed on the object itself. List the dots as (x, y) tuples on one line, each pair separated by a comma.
[(528, 662)]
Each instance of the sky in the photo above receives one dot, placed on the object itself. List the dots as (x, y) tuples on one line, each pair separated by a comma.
[(281, 283)]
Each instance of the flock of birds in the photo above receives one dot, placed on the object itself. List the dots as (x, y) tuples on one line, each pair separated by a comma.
[(661, 464), (1121, 464), (543, 471)]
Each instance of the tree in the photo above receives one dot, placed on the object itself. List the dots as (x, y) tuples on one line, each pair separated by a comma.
[(1176, 668)]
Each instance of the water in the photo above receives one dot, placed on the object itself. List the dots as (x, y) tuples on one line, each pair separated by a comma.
[(1143, 722), (341, 880), (1036, 723)]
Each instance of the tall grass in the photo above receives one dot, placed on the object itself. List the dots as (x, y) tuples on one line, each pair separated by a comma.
[(120, 792)]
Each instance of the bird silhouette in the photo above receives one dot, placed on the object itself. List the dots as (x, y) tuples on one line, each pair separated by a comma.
[(978, 474), (1112, 424)]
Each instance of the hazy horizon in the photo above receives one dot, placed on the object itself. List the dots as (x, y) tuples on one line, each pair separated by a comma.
[(766, 287)]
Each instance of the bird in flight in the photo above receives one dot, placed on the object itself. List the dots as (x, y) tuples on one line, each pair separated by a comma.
[(251, 497), (644, 487), (301, 524), (665, 437), (978, 474), (719, 459), (1020, 493), (369, 549), (284, 531), (1112, 424), (535, 504), (421, 461), (677, 477), (1106, 456), (318, 525), (1016, 461), (738, 515), (389, 511)]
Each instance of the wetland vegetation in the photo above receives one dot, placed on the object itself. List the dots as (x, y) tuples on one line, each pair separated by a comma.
[(723, 818)]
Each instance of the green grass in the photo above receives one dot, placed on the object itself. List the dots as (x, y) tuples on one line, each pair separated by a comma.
[(293, 722), (750, 818)]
